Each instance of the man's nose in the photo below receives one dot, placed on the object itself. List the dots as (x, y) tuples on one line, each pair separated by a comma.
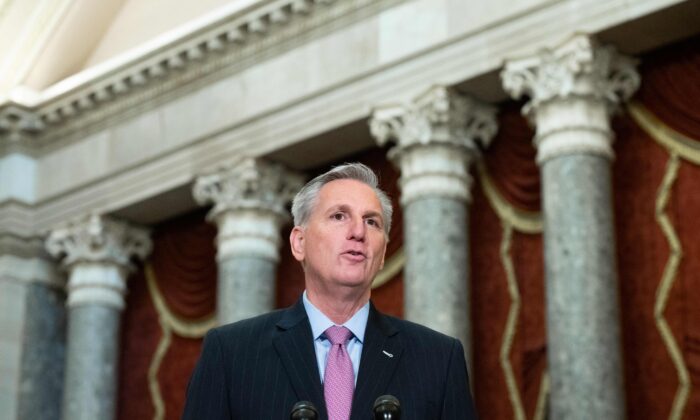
[(357, 230)]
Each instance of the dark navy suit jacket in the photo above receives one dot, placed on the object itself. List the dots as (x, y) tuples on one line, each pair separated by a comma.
[(260, 367)]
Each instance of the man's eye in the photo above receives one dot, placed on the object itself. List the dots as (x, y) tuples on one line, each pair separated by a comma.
[(373, 222), (338, 216)]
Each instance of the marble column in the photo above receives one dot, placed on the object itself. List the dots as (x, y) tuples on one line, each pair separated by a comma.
[(250, 198), (97, 253), (573, 90), (437, 138), (33, 333)]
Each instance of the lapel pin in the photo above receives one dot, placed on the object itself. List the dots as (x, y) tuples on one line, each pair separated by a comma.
[(387, 353)]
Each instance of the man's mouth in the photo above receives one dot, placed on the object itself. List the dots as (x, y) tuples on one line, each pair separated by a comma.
[(355, 255)]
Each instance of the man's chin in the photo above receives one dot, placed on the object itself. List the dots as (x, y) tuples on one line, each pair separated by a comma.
[(355, 283)]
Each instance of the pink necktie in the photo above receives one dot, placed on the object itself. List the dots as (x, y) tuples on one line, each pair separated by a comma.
[(339, 377)]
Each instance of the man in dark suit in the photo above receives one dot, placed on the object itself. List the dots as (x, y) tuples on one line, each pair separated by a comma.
[(332, 348)]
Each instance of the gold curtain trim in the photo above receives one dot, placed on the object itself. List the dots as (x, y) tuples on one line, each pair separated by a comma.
[(664, 289), (511, 324), (676, 143), (541, 409), (392, 267), (153, 368), (522, 220)]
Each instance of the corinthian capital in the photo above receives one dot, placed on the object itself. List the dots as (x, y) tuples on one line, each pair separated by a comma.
[(578, 68), (248, 184), (437, 136), (97, 239), (439, 116)]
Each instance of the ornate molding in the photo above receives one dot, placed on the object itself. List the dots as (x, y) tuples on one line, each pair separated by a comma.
[(250, 198), (97, 252), (579, 68), (231, 41), (436, 137)]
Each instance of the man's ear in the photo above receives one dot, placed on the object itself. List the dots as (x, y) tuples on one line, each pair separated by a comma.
[(383, 254), (296, 240)]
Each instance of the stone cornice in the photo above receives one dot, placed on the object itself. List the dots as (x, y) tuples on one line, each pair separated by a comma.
[(124, 86)]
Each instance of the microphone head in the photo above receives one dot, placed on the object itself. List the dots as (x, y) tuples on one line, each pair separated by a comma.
[(304, 410), (387, 407)]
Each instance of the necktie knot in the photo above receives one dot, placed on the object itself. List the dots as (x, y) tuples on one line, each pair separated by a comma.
[(338, 335)]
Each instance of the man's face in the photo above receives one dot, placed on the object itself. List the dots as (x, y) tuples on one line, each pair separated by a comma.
[(343, 244)]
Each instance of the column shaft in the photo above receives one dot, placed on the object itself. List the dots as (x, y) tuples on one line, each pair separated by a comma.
[(33, 337), (246, 287), (436, 273), (43, 355), (91, 363), (583, 329)]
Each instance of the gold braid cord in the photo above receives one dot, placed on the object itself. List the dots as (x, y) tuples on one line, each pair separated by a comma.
[(169, 324), (667, 280), (670, 139), (523, 221), (679, 146), (526, 222), (511, 324)]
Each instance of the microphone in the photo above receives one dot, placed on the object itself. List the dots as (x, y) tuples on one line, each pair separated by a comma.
[(304, 410), (387, 407)]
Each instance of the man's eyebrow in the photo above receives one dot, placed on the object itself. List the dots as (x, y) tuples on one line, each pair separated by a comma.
[(373, 213), (338, 207)]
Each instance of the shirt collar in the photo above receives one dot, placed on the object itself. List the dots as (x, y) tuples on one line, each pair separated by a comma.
[(320, 322)]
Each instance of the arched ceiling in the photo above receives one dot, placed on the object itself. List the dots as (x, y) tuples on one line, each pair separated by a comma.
[(45, 41)]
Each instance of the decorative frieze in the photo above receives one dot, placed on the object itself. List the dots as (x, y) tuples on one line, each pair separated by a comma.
[(572, 89), (436, 137)]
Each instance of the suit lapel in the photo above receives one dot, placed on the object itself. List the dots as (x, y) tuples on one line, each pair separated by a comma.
[(381, 352), (294, 345)]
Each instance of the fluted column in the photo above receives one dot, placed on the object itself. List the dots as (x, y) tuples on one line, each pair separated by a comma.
[(573, 89), (250, 198), (96, 251), (437, 138)]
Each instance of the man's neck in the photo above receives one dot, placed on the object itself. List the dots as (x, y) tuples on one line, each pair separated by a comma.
[(338, 310)]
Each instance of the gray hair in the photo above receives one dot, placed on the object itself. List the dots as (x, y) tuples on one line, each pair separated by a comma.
[(307, 198)]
